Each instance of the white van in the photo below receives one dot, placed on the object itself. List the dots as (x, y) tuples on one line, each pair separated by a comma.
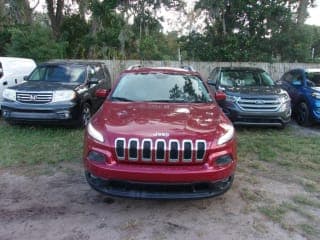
[(12, 71)]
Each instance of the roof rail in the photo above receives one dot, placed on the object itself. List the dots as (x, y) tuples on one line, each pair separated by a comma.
[(189, 68), (136, 66)]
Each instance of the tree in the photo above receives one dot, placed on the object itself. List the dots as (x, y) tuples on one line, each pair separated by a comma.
[(55, 12), (34, 42)]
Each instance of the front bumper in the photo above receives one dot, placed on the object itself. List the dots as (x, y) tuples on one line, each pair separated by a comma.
[(262, 118), (153, 190), (65, 112)]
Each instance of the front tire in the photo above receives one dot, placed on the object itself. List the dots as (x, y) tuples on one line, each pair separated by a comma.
[(303, 114), (85, 115)]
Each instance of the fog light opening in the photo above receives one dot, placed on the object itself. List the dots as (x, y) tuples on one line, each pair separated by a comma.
[(96, 157), (224, 160)]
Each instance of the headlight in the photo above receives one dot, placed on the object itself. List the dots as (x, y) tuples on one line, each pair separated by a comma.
[(94, 133), (63, 95), (316, 95), (231, 98), (9, 94), (228, 135), (284, 97)]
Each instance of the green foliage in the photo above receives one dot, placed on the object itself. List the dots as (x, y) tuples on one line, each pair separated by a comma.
[(251, 31), (5, 38), (34, 42), (73, 31)]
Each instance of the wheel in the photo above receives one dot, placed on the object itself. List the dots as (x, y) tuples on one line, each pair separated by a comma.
[(85, 115), (303, 114)]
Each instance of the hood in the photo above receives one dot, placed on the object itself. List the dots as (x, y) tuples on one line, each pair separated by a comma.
[(254, 90), (36, 86), (159, 120)]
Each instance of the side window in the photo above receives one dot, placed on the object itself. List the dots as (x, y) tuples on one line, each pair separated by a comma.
[(213, 77), (99, 74), (297, 78), (108, 78), (287, 77)]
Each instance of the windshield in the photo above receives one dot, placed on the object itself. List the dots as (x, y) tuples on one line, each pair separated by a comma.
[(59, 74), (313, 79), (243, 78), (158, 87)]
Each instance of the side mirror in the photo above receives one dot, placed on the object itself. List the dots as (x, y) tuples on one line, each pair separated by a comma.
[(220, 96), (102, 93), (26, 78)]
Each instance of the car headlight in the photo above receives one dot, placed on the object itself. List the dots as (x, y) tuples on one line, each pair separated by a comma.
[(231, 98), (227, 135), (9, 94), (316, 95), (63, 95), (284, 98), (94, 133)]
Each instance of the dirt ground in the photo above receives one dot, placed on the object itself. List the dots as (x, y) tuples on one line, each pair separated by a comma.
[(55, 202)]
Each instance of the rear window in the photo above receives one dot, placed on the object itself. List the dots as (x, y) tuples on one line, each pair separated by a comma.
[(243, 78), (159, 87), (64, 74)]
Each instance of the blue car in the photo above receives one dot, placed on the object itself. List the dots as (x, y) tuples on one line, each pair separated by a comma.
[(303, 86)]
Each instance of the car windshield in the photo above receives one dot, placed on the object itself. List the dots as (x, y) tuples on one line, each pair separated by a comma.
[(313, 79), (243, 78), (58, 73), (159, 87)]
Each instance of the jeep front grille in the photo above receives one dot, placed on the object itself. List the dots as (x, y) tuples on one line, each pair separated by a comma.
[(160, 150), (265, 104), (32, 97)]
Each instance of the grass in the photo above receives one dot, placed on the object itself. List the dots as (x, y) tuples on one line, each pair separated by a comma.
[(285, 148), (29, 145)]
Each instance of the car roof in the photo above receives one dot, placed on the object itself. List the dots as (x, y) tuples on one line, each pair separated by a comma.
[(166, 70), (242, 69), (71, 62)]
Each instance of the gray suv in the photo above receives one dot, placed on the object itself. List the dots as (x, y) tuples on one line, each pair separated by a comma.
[(252, 96)]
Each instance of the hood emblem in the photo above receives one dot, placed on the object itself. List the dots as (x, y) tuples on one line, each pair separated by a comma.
[(260, 102), (161, 134), (33, 97)]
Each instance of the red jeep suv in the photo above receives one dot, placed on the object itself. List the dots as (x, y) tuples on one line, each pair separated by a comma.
[(160, 134)]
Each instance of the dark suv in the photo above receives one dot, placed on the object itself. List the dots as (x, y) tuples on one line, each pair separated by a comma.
[(303, 86), (58, 91), (252, 96)]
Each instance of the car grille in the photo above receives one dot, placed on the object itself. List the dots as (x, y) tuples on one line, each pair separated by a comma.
[(259, 104), (160, 151), (32, 97)]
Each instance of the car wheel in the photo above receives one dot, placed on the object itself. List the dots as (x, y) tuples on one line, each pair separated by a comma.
[(85, 115), (303, 114)]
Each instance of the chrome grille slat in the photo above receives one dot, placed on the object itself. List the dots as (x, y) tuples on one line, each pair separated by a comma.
[(160, 150), (263, 104), (34, 97)]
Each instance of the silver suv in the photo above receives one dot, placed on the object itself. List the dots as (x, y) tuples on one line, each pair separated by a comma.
[(252, 96)]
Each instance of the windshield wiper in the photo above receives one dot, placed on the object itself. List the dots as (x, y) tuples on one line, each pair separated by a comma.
[(121, 99)]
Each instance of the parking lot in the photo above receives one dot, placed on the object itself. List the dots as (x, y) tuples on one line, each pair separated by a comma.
[(271, 198)]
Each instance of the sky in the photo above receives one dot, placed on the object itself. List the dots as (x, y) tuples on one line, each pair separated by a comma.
[(314, 18)]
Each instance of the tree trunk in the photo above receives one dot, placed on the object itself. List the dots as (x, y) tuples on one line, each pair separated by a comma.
[(55, 12), (302, 11)]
